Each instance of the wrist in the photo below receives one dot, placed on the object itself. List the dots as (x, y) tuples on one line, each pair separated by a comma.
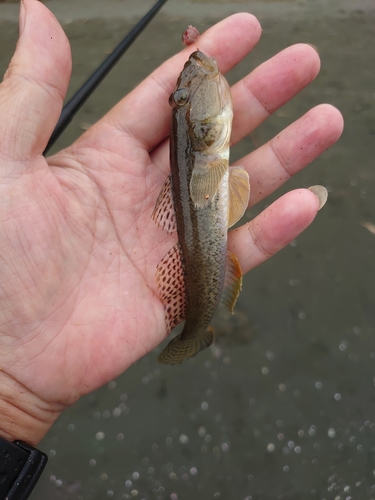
[(24, 415)]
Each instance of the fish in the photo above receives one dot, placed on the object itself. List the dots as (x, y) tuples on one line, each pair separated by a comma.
[(201, 198)]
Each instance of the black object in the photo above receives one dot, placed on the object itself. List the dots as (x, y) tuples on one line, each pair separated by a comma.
[(80, 97), (20, 468)]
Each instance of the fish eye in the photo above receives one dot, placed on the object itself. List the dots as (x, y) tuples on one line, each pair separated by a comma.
[(181, 96)]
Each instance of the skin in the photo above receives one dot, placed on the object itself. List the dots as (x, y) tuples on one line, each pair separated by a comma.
[(79, 249)]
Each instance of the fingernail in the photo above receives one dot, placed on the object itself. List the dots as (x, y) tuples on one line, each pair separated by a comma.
[(321, 193), (22, 16), (313, 46)]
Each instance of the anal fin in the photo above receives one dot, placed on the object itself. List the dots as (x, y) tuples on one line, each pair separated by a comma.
[(239, 194), (171, 285), (163, 213), (232, 281)]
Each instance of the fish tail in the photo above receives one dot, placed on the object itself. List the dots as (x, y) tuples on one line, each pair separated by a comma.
[(181, 348)]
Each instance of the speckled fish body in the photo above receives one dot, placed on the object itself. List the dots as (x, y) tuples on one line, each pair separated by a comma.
[(207, 198)]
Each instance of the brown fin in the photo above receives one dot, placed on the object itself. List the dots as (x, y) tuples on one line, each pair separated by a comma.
[(239, 194), (163, 213), (232, 281), (180, 349), (171, 285), (205, 180)]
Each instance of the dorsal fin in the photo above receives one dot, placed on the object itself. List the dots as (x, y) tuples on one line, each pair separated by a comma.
[(171, 285), (163, 213)]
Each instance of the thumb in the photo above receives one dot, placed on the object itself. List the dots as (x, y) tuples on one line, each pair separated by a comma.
[(35, 84)]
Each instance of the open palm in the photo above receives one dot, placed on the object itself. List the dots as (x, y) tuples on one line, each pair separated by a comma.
[(78, 298)]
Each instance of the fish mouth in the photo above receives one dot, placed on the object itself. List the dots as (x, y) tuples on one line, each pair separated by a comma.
[(201, 80), (203, 61)]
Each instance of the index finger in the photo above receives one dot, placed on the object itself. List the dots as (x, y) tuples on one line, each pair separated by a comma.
[(145, 113)]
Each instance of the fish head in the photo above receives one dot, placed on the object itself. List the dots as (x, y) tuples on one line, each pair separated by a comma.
[(202, 97)]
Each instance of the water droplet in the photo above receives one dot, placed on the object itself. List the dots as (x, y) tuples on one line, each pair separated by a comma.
[(343, 345), (225, 447), (293, 282), (312, 430), (271, 447), (183, 439), (99, 436), (331, 432)]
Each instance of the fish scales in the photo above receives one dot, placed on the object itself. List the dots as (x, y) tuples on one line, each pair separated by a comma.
[(202, 235), (207, 197)]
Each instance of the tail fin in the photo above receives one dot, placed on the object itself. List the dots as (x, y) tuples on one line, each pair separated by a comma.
[(180, 349)]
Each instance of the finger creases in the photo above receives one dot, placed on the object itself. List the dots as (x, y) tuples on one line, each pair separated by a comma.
[(35, 84), (274, 228)]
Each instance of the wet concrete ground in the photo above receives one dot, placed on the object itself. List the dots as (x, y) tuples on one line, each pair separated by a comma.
[(283, 406)]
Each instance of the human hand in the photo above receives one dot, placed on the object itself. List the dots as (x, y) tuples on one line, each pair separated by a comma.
[(78, 297)]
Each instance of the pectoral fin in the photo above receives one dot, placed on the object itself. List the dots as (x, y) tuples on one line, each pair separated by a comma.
[(205, 180), (239, 194), (164, 214), (180, 349), (232, 281), (171, 285)]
